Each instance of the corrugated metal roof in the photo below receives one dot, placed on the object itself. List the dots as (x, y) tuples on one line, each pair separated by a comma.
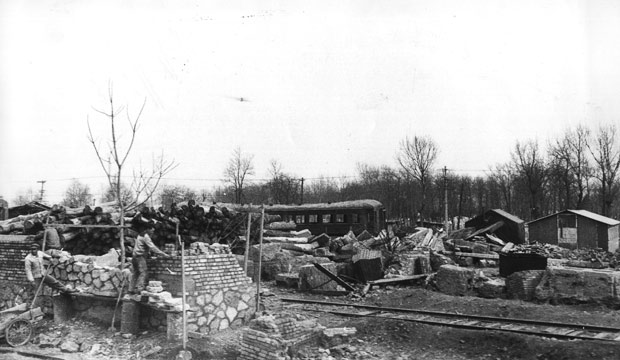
[(584, 213)]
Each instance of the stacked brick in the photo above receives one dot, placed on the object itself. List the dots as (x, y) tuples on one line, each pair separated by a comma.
[(522, 284), (414, 263), (14, 287), (270, 337), (219, 293), (13, 250)]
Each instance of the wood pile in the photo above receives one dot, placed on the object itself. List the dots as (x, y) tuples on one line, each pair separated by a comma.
[(195, 223)]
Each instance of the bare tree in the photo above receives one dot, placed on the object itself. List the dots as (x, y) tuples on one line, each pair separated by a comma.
[(144, 182), (530, 166), (417, 158), (503, 176), (283, 188), (239, 167), (606, 153), (570, 165), (77, 194)]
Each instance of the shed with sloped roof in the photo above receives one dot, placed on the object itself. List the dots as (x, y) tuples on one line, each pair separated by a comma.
[(576, 229)]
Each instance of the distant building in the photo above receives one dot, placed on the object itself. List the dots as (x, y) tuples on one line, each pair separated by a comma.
[(27, 209), (576, 229), (512, 230)]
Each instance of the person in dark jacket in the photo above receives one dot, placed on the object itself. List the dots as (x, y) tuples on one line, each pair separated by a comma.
[(143, 246)]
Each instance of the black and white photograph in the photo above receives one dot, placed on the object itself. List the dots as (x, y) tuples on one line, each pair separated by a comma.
[(310, 180)]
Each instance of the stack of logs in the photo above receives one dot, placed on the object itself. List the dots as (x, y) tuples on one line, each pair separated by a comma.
[(195, 223)]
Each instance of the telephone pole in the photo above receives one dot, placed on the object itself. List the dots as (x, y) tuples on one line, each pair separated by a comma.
[(445, 200), (42, 182), (302, 191)]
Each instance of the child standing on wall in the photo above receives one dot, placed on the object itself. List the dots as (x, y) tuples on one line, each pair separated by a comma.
[(141, 249)]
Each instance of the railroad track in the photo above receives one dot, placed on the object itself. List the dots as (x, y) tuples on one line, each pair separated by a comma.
[(473, 322)]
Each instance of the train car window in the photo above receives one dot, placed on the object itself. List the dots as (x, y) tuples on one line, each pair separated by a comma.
[(313, 218), (299, 219), (339, 218), (288, 218), (327, 218), (355, 218)]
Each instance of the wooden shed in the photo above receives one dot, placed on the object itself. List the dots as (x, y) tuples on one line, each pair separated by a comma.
[(511, 230), (576, 229)]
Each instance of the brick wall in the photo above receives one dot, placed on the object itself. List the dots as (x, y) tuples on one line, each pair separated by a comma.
[(14, 287), (13, 250), (219, 293)]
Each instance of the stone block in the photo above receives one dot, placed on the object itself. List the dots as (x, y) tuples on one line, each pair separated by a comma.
[(310, 278), (454, 280)]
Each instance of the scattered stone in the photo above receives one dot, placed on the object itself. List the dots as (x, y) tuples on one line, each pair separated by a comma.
[(95, 349), (48, 341), (69, 346)]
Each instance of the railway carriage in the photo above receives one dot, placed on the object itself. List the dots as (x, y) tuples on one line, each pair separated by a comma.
[(334, 219)]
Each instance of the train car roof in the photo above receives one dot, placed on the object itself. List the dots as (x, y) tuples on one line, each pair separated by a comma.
[(341, 205)]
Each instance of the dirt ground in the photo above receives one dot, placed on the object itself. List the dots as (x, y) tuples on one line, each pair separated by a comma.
[(375, 339)]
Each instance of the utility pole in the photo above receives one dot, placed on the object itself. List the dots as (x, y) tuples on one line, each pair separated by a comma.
[(445, 200), (302, 191), (42, 182)]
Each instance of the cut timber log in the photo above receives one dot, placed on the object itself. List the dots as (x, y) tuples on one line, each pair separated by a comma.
[(21, 218), (473, 255)]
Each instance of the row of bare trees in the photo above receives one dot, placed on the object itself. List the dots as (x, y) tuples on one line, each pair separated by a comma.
[(577, 170)]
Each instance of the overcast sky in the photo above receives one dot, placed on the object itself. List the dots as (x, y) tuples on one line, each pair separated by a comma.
[(326, 84)]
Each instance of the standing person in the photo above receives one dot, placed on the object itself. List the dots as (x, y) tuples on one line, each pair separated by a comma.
[(35, 271), (138, 260)]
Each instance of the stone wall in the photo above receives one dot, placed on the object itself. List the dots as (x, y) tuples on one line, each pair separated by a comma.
[(219, 294)]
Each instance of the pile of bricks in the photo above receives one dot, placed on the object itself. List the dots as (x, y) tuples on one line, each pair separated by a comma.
[(270, 337)]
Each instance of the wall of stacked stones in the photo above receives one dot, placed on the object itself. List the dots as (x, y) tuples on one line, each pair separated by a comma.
[(88, 277), (218, 291)]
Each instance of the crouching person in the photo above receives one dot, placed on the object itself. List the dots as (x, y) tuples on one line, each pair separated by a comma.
[(37, 273), (141, 250)]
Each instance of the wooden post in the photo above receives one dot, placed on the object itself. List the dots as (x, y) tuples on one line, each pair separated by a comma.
[(183, 287), (247, 242), (260, 256)]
